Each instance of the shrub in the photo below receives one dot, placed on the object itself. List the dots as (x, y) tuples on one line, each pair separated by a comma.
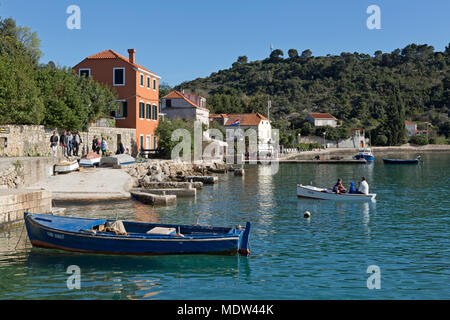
[(419, 140), (380, 140)]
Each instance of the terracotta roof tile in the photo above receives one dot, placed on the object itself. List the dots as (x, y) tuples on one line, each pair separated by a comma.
[(322, 116), (110, 54), (244, 119), (178, 95)]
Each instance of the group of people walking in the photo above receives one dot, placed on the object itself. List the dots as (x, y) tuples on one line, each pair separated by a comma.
[(99, 145), (69, 143)]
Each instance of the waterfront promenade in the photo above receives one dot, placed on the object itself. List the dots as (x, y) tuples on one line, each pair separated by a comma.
[(347, 153)]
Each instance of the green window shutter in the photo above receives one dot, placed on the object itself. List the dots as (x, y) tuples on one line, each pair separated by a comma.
[(149, 111), (141, 110), (125, 109), (155, 112)]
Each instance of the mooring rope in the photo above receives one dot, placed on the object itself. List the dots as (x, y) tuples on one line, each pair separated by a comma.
[(20, 237)]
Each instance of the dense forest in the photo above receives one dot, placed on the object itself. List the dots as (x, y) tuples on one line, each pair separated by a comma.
[(375, 92), (32, 93)]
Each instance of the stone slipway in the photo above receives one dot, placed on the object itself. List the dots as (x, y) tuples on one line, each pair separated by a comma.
[(90, 184)]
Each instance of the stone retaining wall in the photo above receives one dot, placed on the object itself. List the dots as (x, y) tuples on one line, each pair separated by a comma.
[(23, 172), (34, 141), (13, 203)]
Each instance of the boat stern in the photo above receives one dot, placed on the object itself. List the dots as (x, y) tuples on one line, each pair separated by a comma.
[(244, 248)]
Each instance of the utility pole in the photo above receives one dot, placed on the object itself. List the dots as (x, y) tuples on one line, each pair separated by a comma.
[(269, 105)]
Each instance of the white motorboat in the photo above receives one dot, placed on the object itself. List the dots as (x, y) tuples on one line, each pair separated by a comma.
[(311, 192), (66, 166)]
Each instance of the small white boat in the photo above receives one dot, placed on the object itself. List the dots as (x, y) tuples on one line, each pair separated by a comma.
[(66, 166), (118, 159), (90, 160), (311, 192)]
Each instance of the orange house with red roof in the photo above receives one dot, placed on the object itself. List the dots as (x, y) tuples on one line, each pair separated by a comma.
[(137, 89)]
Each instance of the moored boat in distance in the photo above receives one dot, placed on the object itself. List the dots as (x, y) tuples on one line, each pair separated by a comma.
[(311, 192), (364, 153), (132, 238), (402, 161)]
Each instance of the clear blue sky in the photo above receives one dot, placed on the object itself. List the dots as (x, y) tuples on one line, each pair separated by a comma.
[(184, 40)]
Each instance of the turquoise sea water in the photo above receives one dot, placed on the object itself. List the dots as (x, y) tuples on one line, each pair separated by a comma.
[(405, 233)]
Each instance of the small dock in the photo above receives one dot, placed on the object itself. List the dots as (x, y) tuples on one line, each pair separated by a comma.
[(343, 161)]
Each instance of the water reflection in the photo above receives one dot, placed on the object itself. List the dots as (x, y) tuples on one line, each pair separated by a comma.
[(130, 277)]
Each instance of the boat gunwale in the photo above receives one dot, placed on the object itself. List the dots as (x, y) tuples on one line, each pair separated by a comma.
[(186, 238), (345, 195)]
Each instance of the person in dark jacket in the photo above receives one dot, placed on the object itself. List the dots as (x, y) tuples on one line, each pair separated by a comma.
[(95, 146), (54, 143), (338, 187), (62, 143), (120, 147)]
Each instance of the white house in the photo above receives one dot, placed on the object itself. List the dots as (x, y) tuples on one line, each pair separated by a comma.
[(322, 120), (184, 106), (246, 121)]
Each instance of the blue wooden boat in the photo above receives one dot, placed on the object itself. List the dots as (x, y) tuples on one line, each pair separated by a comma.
[(132, 238), (402, 161)]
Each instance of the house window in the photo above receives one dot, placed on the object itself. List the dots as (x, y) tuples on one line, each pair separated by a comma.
[(141, 140), (141, 110), (119, 76), (154, 142), (148, 82), (142, 80), (121, 111), (168, 103), (148, 141), (155, 112), (84, 73), (149, 111), (154, 84)]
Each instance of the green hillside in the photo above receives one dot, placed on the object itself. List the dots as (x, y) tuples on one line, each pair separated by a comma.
[(360, 89)]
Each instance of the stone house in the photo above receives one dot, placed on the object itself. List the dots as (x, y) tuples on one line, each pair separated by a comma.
[(186, 106), (322, 120)]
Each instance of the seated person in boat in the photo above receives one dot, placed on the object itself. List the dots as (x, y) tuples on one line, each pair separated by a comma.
[(338, 187), (363, 187), (352, 188)]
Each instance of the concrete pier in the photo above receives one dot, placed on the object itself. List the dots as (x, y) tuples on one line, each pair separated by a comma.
[(14, 202), (179, 192), (91, 184), (204, 179), (343, 161), (154, 199), (172, 185)]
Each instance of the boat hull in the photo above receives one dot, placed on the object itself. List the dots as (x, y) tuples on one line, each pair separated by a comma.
[(310, 192), (43, 236), (400, 161), (368, 158), (64, 168)]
